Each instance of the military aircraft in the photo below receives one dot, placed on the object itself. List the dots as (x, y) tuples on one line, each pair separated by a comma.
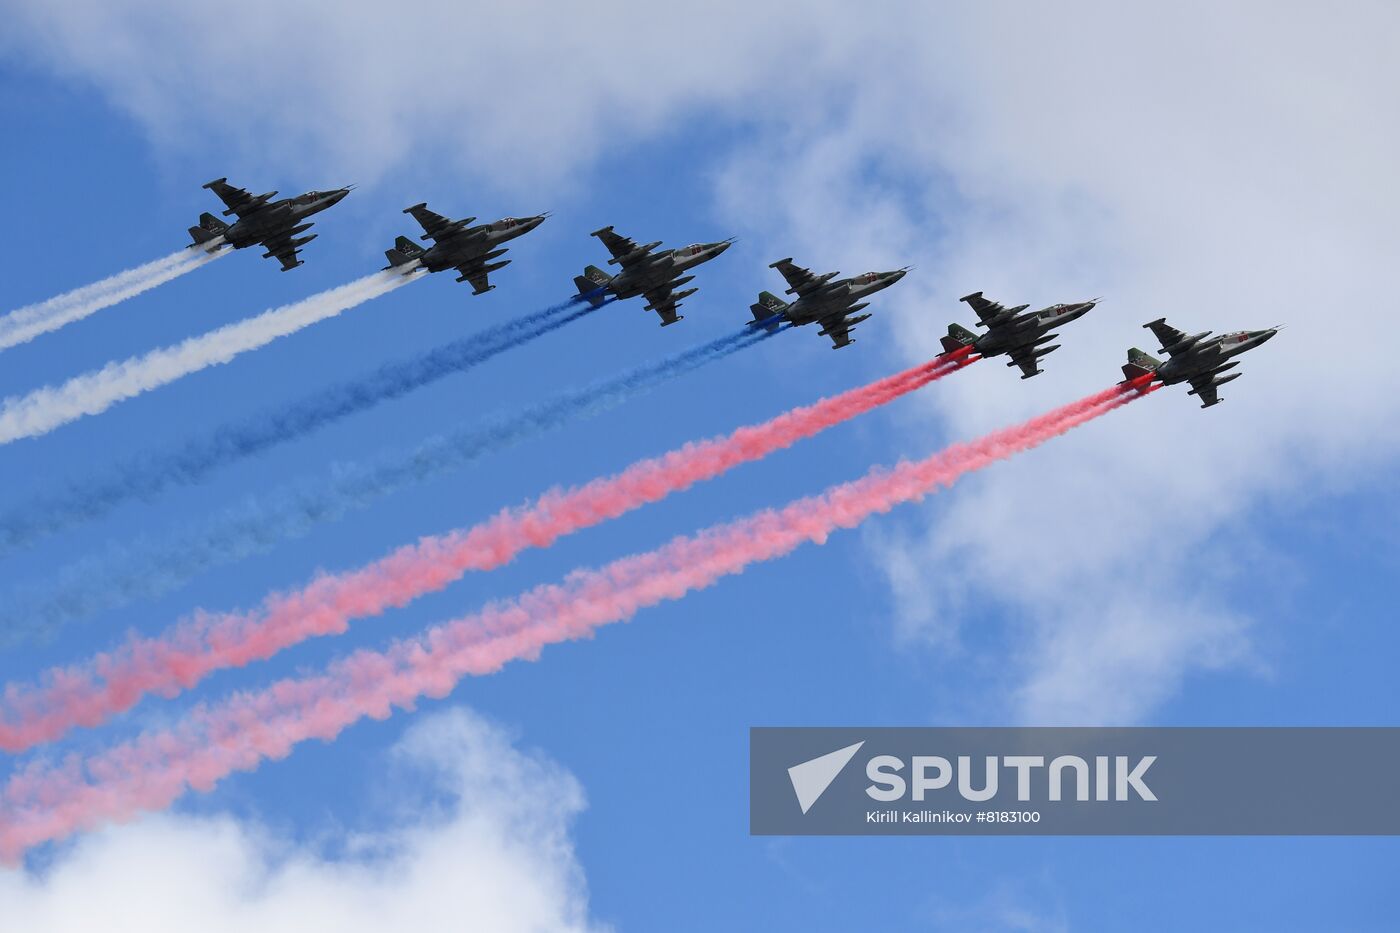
[(1020, 334), (643, 272), (273, 224), (459, 245), (821, 299), (1194, 359)]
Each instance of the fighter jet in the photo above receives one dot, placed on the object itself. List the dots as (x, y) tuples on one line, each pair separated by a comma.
[(1194, 359), (643, 272), (1020, 334), (261, 220), (458, 245), (821, 299)]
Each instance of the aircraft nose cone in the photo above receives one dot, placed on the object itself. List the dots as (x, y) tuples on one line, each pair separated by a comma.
[(896, 275), (537, 220), (721, 246), (339, 195), (1266, 335)]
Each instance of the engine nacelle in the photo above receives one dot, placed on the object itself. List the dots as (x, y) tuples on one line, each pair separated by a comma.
[(1186, 343), (816, 282), (637, 253)]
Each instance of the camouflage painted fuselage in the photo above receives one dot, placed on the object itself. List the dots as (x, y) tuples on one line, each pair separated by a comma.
[(1199, 359), (474, 243), (1208, 356), (277, 218), (653, 270), (834, 299)]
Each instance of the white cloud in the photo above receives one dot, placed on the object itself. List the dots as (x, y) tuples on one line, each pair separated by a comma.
[(1221, 165), (1211, 164), (485, 845), (515, 94)]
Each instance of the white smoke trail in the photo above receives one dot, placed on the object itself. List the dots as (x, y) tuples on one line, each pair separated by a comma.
[(51, 406), (24, 324)]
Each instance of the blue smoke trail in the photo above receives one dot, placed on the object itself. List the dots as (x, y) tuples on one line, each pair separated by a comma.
[(146, 476), (144, 570)]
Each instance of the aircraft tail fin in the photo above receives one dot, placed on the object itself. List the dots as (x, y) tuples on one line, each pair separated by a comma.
[(591, 284), (767, 310), (404, 252), (1139, 364), (957, 338), (210, 228)]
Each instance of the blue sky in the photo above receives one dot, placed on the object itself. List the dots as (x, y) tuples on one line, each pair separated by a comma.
[(651, 718)]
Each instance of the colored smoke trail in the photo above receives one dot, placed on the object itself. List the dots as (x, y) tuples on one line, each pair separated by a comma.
[(24, 324), (131, 570), (47, 408), (90, 694), (191, 462), (43, 802)]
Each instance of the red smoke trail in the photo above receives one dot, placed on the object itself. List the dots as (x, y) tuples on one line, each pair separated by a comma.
[(90, 694), (42, 802)]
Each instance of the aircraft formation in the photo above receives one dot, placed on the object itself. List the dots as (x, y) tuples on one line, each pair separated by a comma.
[(473, 250), (43, 805)]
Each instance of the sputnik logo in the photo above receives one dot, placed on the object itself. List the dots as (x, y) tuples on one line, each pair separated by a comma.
[(811, 778)]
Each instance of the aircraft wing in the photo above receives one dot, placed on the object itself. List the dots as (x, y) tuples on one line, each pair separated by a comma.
[(986, 309), (838, 328), (475, 272), (1205, 388), (1024, 357), (237, 200), (662, 300), (800, 280), (617, 244), (281, 249), (1166, 334), (435, 226)]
